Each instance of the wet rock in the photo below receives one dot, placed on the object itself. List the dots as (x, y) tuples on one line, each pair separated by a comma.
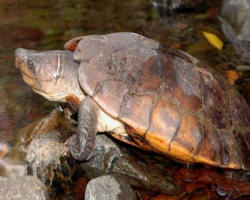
[(142, 170), (47, 156), (58, 119), (166, 7), (20, 188), (13, 162), (11, 168), (109, 187), (45, 142), (46, 151), (235, 23)]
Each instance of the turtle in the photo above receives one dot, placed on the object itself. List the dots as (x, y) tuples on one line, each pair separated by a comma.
[(145, 94)]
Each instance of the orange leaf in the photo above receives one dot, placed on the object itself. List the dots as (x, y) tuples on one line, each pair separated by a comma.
[(232, 76)]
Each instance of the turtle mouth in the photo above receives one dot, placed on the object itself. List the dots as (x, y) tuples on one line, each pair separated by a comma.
[(37, 88), (22, 67), (50, 97), (18, 62), (27, 76)]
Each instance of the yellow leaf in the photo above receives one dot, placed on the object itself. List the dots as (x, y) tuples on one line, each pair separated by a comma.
[(213, 40)]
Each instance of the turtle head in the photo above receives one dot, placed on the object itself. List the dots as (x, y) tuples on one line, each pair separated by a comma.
[(52, 74)]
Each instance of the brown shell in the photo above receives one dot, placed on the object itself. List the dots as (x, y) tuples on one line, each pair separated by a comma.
[(167, 100)]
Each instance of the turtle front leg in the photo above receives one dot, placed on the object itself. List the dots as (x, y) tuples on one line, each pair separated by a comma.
[(82, 144)]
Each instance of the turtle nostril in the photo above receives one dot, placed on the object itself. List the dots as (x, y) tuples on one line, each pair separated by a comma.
[(18, 62), (20, 57)]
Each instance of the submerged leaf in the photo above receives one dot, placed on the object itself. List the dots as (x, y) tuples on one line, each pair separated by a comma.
[(213, 40), (232, 76)]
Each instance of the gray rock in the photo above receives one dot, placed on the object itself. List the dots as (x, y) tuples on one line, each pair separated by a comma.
[(143, 170), (11, 167), (46, 151), (166, 7), (20, 188), (109, 188), (47, 159), (235, 23)]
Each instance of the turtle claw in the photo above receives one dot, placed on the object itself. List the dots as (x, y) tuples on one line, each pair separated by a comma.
[(78, 151)]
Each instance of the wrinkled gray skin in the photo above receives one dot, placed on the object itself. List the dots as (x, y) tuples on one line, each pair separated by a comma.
[(85, 132), (61, 79)]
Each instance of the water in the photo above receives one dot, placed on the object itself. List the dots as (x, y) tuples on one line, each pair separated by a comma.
[(49, 24)]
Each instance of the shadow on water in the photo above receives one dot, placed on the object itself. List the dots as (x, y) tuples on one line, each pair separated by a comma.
[(48, 24)]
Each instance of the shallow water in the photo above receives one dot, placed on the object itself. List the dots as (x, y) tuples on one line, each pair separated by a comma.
[(49, 24)]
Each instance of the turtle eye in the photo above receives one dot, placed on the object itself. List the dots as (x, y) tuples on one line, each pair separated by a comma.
[(30, 64)]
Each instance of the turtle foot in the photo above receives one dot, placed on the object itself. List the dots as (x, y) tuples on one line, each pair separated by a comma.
[(78, 151), (82, 144)]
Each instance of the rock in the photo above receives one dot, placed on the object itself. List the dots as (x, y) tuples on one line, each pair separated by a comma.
[(166, 7), (46, 148), (47, 156), (58, 119), (109, 188), (140, 169), (47, 159), (235, 23), (12, 167), (46, 151), (20, 188)]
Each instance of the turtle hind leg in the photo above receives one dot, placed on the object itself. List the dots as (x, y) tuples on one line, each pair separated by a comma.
[(81, 145)]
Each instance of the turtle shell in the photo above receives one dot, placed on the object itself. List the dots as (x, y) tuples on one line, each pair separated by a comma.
[(166, 99)]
